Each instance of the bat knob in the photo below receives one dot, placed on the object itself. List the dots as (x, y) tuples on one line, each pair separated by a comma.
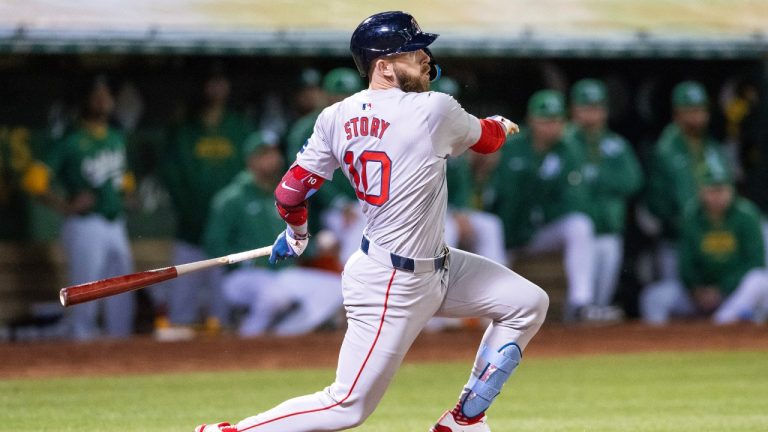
[(63, 297)]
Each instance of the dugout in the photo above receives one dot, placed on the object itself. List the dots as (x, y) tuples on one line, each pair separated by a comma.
[(158, 54)]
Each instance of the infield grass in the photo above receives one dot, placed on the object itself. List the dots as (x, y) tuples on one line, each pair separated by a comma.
[(647, 392)]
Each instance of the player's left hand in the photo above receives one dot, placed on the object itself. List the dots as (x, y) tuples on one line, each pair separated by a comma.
[(288, 245), (510, 126)]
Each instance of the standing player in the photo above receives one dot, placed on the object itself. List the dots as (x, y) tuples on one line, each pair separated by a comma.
[(682, 152), (392, 141), (203, 154), (612, 175), (90, 164)]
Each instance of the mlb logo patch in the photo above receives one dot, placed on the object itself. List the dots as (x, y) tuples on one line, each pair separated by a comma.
[(367, 106)]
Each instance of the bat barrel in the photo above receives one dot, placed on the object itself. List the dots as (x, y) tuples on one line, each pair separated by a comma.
[(82, 293)]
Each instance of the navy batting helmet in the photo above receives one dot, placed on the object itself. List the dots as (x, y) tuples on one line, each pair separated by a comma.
[(389, 33)]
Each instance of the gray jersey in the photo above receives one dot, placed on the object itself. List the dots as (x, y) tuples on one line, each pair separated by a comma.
[(393, 146)]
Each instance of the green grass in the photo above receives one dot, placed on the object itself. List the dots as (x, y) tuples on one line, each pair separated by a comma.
[(649, 392)]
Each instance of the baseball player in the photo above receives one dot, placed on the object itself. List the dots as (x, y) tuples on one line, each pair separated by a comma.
[(267, 293), (203, 155), (722, 270), (392, 141), (612, 174), (90, 164), (680, 155)]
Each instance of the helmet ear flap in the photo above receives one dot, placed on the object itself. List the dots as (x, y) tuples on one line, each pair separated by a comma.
[(435, 72)]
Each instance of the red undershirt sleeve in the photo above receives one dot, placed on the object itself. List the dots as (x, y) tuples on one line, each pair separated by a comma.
[(492, 137)]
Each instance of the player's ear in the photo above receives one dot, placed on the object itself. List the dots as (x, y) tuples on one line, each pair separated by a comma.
[(384, 67)]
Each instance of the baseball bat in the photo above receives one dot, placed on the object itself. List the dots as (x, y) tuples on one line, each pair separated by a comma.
[(88, 291)]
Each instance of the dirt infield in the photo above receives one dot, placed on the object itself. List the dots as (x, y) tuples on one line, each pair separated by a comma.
[(143, 355)]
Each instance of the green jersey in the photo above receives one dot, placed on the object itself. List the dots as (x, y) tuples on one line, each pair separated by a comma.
[(242, 217), (298, 134), (459, 179), (534, 188), (672, 177), (15, 157), (92, 160), (612, 174), (720, 253), (198, 162)]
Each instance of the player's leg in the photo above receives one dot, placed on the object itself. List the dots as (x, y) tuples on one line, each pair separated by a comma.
[(184, 295), (742, 304), (666, 259), (489, 236), (84, 244), (119, 310), (609, 252), (385, 314), (661, 300), (216, 307), (254, 289), (479, 287), (317, 297), (574, 234), (347, 222), (764, 225)]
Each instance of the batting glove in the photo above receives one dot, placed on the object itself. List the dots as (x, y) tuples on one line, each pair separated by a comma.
[(289, 244), (509, 126)]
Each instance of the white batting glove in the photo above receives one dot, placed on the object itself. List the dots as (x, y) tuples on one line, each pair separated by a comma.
[(509, 126)]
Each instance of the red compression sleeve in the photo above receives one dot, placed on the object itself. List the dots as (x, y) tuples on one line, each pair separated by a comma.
[(492, 136), (291, 194)]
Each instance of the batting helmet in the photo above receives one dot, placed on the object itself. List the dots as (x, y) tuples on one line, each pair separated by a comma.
[(389, 33)]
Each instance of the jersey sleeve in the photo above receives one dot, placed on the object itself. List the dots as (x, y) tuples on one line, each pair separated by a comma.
[(453, 130), (317, 154)]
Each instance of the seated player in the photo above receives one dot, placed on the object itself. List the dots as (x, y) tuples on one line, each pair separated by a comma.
[(721, 256)]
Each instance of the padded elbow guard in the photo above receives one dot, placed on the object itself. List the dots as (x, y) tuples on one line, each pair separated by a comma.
[(291, 194), (295, 215)]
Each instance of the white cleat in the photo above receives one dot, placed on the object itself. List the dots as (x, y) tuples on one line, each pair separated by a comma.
[(218, 427), (448, 424)]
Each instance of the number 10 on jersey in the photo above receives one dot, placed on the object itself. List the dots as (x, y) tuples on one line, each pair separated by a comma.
[(366, 180)]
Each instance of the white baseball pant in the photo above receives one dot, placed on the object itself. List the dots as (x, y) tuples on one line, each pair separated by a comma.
[(98, 248), (190, 293), (609, 255), (574, 234), (662, 300), (386, 310), (314, 296)]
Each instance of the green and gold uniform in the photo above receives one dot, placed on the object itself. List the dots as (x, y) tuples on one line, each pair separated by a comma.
[(672, 176), (15, 158), (93, 159), (720, 253), (199, 161)]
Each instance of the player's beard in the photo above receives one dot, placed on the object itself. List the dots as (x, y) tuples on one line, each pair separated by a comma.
[(412, 83)]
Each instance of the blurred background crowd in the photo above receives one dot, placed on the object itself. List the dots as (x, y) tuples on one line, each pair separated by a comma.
[(637, 189)]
